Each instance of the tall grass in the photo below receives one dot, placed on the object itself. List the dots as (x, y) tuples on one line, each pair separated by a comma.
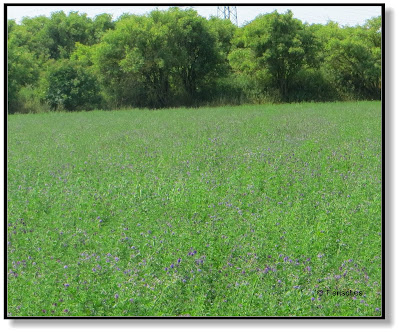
[(231, 211)]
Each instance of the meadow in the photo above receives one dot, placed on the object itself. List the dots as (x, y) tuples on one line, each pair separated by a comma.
[(262, 210)]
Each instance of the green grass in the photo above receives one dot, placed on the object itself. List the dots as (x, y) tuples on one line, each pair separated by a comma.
[(262, 205)]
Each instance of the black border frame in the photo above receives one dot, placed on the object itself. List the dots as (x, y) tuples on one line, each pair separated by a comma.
[(383, 207)]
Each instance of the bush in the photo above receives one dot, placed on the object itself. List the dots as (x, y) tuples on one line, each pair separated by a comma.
[(71, 87), (311, 85), (29, 101)]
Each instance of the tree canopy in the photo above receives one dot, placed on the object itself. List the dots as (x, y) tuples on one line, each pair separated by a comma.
[(177, 57)]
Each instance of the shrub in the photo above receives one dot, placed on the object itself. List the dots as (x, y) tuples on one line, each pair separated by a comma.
[(311, 85), (71, 87)]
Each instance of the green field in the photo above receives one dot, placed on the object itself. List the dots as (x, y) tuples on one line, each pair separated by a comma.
[(231, 211)]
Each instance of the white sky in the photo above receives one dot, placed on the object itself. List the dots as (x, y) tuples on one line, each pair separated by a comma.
[(344, 15)]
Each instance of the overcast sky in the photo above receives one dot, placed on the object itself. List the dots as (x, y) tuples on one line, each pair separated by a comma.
[(344, 15)]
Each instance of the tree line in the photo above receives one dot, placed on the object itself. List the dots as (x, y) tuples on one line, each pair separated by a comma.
[(178, 58)]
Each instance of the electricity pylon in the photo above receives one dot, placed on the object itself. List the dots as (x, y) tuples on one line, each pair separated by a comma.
[(228, 12)]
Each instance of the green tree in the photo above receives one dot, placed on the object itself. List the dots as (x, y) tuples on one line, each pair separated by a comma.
[(282, 45), (132, 62), (11, 25), (352, 58), (64, 31), (158, 59), (176, 57), (71, 87), (22, 71), (195, 51), (373, 27), (31, 34), (101, 24), (224, 31)]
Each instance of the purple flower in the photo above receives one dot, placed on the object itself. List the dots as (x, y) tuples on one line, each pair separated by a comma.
[(377, 309), (66, 310), (338, 276), (172, 266), (65, 266), (179, 260), (267, 269), (66, 285), (308, 268), (116, 296), (116, 259), (313, 299)]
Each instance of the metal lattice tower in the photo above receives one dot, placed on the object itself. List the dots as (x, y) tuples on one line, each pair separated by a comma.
[(228, 12)]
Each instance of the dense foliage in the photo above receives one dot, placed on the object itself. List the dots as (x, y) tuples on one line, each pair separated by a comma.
[(177, 57)]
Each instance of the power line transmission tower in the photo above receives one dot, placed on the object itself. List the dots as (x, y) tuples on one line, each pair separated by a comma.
[(228, 12)]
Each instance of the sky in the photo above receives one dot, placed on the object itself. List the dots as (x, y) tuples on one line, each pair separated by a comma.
[(344, 15)]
